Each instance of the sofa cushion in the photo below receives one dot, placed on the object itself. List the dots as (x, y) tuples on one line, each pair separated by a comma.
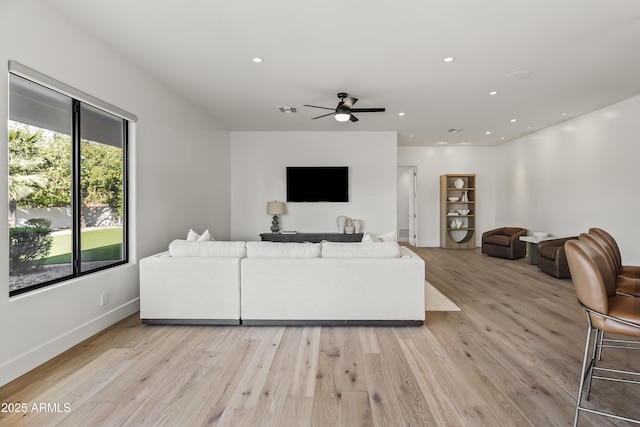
[(282, 250), (208, 248), (498, 239), (360, 250)]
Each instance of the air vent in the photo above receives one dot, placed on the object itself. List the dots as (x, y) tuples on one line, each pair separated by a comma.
[(455, 130), (288, 110)]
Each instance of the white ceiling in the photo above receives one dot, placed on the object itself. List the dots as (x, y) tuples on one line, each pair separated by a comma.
[(582, 55)]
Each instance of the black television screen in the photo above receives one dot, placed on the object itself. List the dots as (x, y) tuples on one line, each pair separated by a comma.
[(318, 184)]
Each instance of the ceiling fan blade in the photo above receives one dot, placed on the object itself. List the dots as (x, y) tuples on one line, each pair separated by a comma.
[(324, 115), (350, 101), (315, 106), (353, 118), (367, 110)]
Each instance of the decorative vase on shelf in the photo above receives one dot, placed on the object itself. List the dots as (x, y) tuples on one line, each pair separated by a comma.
[(456, 223), (465, 198), (348, 226), (357, 224), (341, 221), (459, 183)]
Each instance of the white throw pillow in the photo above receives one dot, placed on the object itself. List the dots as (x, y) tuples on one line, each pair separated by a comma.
[(361, 250), (192, 236), (368, 237), (205, 236), (209, 248), (389, 237), (283, 250)]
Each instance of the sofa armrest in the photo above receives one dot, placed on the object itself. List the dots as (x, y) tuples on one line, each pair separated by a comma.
[(190, 289)]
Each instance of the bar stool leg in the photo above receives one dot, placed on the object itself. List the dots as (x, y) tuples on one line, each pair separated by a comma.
[(583, 372), (596, 346)]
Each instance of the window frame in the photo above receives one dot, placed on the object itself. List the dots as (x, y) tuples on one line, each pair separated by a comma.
[(79, 98)]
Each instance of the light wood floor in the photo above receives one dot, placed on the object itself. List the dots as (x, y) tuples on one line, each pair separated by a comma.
[(511, 357)]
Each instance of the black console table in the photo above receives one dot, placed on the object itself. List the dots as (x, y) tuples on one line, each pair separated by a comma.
[(311, 237)]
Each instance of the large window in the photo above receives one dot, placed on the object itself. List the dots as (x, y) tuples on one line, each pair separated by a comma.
[(67, 185)]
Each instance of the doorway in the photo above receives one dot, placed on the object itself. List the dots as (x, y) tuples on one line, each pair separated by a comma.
[(407, 216)]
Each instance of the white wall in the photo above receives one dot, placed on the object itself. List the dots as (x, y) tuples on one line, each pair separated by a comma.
[(579, 174), (258, 174), (431, 162), (563, 179), (175, 152)]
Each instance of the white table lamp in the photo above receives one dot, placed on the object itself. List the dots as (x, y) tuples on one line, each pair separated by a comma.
[(275, 208)]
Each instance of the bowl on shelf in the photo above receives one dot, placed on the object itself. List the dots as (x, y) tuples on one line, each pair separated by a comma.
[(540, 234), (453, 199)]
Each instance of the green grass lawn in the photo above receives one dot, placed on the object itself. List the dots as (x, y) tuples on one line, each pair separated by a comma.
[(97, 245)]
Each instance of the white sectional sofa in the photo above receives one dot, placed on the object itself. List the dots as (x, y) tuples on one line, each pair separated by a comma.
[(267, 283)]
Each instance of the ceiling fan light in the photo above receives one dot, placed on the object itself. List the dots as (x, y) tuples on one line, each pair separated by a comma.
[(341, 116)]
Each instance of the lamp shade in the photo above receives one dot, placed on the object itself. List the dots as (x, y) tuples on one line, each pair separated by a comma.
[(276, 208)]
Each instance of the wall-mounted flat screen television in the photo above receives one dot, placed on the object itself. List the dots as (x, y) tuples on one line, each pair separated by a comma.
[(317, 184)]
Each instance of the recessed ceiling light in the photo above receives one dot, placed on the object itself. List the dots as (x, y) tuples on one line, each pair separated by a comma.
[(257, 59), (528, 127), (513, 120), (465, 143), (488, 132), (493, 92), (502, 137), (401, 114), (449, 59), (564, 113), (442, 143)]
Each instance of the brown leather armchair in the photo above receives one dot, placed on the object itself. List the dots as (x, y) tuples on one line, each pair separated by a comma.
[(552, 258), (504, 242)]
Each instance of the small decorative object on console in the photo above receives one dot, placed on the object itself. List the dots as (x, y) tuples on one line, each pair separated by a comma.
[(349, 228), (341, 221)]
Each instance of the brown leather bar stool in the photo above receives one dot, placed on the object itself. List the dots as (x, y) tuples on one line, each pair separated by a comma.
[(624, 285), (623, 270), (606, 311)]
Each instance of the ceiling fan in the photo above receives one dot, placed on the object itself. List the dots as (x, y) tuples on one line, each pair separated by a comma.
[(343, 112)]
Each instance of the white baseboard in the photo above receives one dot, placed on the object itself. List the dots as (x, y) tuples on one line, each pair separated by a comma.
[(428, 243), (47, 351)]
